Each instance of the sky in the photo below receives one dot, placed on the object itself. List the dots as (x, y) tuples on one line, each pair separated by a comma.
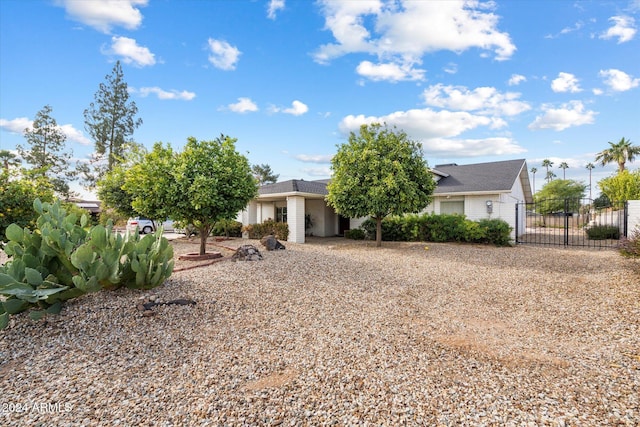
[(472, 81)]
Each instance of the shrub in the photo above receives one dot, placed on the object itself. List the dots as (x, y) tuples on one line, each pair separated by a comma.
[(227, 228), (62, 259), (440, 228), (602, 232), (496, 231), (630, 246), (355, 234), (280, 230)]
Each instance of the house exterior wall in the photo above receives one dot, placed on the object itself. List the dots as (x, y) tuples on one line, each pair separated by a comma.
[(323, 218), (633, 219)]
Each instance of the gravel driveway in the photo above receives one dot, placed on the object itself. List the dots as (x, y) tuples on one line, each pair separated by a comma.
[(336, 332)]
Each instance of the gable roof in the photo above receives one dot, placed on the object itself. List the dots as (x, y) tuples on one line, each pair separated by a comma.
[(482, 177)]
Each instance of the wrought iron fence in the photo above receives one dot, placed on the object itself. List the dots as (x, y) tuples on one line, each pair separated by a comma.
[(571, 222)]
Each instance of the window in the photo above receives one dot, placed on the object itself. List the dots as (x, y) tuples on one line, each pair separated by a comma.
[(452, 207), (281, 214)]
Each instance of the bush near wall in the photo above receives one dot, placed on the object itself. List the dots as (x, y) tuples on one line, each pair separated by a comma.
[(280, 230), (227, 228), (440, 228)]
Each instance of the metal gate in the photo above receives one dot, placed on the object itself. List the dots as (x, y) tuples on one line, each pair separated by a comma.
[(571, 222)]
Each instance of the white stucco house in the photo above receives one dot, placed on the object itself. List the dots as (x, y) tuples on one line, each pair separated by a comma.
[(481, 190)]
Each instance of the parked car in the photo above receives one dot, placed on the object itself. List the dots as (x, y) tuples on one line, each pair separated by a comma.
[(146, 226)]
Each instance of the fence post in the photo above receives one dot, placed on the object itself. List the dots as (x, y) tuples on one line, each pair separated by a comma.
[(566, 222), (517, 223)]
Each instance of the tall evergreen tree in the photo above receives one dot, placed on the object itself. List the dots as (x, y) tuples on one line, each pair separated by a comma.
[(621, 152), (7, 159), (564, 166), (264, 174), (45, 151), (110, 121)]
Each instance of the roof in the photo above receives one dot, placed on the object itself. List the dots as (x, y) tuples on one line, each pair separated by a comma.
[(481, 177), (295, 186)]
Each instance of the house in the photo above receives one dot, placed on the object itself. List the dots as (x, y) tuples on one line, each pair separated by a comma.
[(481, 190)]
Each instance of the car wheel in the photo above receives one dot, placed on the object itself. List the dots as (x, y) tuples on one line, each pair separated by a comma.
[(147, 230)]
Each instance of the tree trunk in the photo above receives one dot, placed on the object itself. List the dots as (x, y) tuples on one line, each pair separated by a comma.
[(204, 233), (379, 231)]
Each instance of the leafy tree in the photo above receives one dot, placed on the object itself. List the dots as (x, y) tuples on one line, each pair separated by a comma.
[(110, 121), (602, 201), (264, 174), (554, 194), (7, 159), (620, 153), (16, 200), (379, 172), (533, 171), (207, 182), (623, 186), (111, 187), (45, 151), (564, 166)]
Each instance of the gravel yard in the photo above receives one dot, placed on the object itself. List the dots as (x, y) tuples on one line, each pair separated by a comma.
[(336, 332)]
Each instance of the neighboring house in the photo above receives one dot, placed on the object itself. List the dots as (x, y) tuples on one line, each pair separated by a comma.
[(481, 190)]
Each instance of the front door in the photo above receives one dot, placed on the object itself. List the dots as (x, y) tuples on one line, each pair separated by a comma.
[(343, 224)]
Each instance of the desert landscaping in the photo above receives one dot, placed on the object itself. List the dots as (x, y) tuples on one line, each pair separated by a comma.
[(338, 332)]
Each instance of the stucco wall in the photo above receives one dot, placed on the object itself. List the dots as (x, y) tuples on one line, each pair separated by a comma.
[(633, 219)]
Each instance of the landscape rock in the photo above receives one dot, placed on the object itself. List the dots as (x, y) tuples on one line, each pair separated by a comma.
[(271, 243), (247, 253)]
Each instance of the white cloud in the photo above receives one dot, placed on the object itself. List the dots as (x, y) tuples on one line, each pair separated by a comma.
[(623, 28), (244, 105), (323, 172), (105, 14), (17, 125), (565, 82), (516, 79), (402, 32), (314, 158), (273, 7), (497, 146), (393, 72), (164, 94), (297, 109), (450, 68), (483, 100), (20, 124), (131, 52), (619, 81), (568, 115), (223, 55)]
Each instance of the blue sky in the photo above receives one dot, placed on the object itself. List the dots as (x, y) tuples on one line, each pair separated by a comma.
[(473, 81)]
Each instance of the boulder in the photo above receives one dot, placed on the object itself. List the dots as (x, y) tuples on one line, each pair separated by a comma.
[(247, 253), (271, 243)]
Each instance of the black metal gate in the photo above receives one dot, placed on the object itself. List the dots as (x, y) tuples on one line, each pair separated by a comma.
[(571, 222)]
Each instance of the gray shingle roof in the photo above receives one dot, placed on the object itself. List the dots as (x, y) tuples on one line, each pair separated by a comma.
[(492, 176), (295, 185)]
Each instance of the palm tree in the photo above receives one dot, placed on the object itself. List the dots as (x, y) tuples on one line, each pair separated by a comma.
[(533, 171), (546, 163), (590, 166), (564, 166), (550, 176), (620, 153)]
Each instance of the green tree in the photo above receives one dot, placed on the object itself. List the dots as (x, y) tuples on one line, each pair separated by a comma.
[(110, 121), (620, 153), (379, 172), (207, 182), (554, 195), (111, 187), (16, 200), (8, 159), (264, 174), (564, 166), (45, 151), (623, 186)]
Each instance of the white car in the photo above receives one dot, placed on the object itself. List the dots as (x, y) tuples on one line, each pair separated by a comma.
[(146, 226)]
